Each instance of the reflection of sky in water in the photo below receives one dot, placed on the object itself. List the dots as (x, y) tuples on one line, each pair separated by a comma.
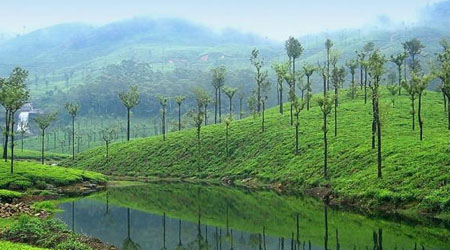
[(147, 229)]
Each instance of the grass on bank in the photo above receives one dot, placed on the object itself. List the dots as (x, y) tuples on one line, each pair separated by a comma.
[(415, 173), (5, 245), (32, 174)]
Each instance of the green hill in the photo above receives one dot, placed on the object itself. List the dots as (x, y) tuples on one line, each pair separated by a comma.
[(415, 173)]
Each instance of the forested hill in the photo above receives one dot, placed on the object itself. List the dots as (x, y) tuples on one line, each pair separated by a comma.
[(415, 173), (78, 46)]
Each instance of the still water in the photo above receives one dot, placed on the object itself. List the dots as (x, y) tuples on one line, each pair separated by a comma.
[(187, 216)]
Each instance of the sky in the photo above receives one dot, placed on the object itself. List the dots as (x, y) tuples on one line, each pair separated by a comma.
[(274, 19)]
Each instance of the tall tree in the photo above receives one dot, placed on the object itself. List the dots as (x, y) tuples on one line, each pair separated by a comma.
[(323, 72), (309, 71), (229, 92), (337, 78), (163, 102), (44, 121), (361, 59), (179, 100), (414, 48), (325, 104), (393, 91), (411, 90), (241, 96), (108, 134), (443, 73), (294, 50), (398, 60), (218, 80), (130, 99), (368, 49), (376, 68), (298, 105), (227, 129), (281, 70), (421, 83), (14, 95), (328, 46), (261, 75), (352, 65)]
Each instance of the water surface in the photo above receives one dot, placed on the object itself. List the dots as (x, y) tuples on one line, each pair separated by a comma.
[(187, 216)]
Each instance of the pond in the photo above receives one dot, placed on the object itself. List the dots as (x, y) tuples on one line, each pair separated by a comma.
[(188, 216)]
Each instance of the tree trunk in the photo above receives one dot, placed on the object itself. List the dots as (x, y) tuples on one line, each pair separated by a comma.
[(206, 114), (400, 80), (374, 120), (308, 93), (240, 108), (164, 123), (296, 135), (365, 86), (413, 112), (335, 111), (107, 150), (328, 69), (278, 95), (231, 108), (12, 142), (5, 145), (179, 117), (361, 80), (198, 132), (220, 105), (419, 117), (73, 135), (43, 147), (353, 86), (262, 121), (292, 118), (325, 142), (281, 98), (378, 138), (215, 108), (324, 85)]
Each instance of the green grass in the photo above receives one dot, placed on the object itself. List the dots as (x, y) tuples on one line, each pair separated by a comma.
[(28, 174), (415, 173), (5, 245), (36, 155), (9, 194)]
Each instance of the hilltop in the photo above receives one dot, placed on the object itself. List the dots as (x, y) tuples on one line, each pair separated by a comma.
[(415, 174)]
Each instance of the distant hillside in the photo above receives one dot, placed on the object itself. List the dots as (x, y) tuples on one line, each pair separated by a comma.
[(77, 46)]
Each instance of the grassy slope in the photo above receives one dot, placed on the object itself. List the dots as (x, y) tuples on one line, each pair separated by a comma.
[(4, 245), (28, 174), (415, 172)]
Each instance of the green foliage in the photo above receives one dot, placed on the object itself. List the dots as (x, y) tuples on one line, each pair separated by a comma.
[(28, 174), (45, 120), (7, 194), (43, 233), (131, 98), (72, 108), (5, 245)]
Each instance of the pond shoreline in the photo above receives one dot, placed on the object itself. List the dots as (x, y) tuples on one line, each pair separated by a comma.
[(406, 212)]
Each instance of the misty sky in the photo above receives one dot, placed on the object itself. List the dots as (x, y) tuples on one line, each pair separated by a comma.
[(276, 19)]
